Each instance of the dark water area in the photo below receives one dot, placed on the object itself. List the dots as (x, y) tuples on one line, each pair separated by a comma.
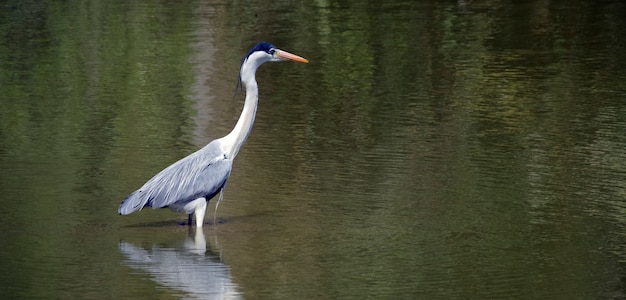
[(436, 150)]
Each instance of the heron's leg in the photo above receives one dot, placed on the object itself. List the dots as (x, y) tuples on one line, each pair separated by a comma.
[(217, 204), (200, 211), (189, 218)]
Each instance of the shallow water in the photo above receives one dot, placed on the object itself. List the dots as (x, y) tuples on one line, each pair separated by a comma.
[(440, 150)]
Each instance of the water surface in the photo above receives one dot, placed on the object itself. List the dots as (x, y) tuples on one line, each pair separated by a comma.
[(428, 150)]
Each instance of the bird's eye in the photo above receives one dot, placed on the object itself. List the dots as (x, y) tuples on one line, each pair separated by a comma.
[(271, 51)]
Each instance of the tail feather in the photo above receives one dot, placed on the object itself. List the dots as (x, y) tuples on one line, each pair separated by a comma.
[(137, 200)]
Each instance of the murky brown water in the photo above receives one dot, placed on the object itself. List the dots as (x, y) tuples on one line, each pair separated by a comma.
[(441, 150)]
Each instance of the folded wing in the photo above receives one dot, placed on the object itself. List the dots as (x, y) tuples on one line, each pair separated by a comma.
[(201, 174)]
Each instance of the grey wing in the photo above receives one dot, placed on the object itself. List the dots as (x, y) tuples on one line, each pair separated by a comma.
[(201, 174)]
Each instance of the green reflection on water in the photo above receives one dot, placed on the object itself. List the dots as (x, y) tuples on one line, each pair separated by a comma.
[(444, 150), (84, 93)]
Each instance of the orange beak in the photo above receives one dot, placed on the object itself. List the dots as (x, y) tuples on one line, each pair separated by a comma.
[(288, 56)]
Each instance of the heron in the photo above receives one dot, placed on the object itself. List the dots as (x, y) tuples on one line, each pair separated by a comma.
[(188, 184)]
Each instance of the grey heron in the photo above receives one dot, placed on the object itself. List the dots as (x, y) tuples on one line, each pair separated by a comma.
[(188, 184)]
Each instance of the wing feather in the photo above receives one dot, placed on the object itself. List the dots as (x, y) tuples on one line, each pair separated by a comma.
[(201, 174)]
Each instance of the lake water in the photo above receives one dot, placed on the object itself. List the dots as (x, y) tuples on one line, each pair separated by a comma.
[(441, 150)]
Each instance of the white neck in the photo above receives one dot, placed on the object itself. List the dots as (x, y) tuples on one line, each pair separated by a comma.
[(237, 137)]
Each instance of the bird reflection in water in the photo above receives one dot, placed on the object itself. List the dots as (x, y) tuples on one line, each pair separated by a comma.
[(191, 268)]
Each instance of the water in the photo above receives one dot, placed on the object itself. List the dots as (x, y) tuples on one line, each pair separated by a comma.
[(429, 150)]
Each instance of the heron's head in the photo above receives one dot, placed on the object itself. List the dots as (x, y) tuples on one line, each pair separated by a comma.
[(264, 52), (259, 54)]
